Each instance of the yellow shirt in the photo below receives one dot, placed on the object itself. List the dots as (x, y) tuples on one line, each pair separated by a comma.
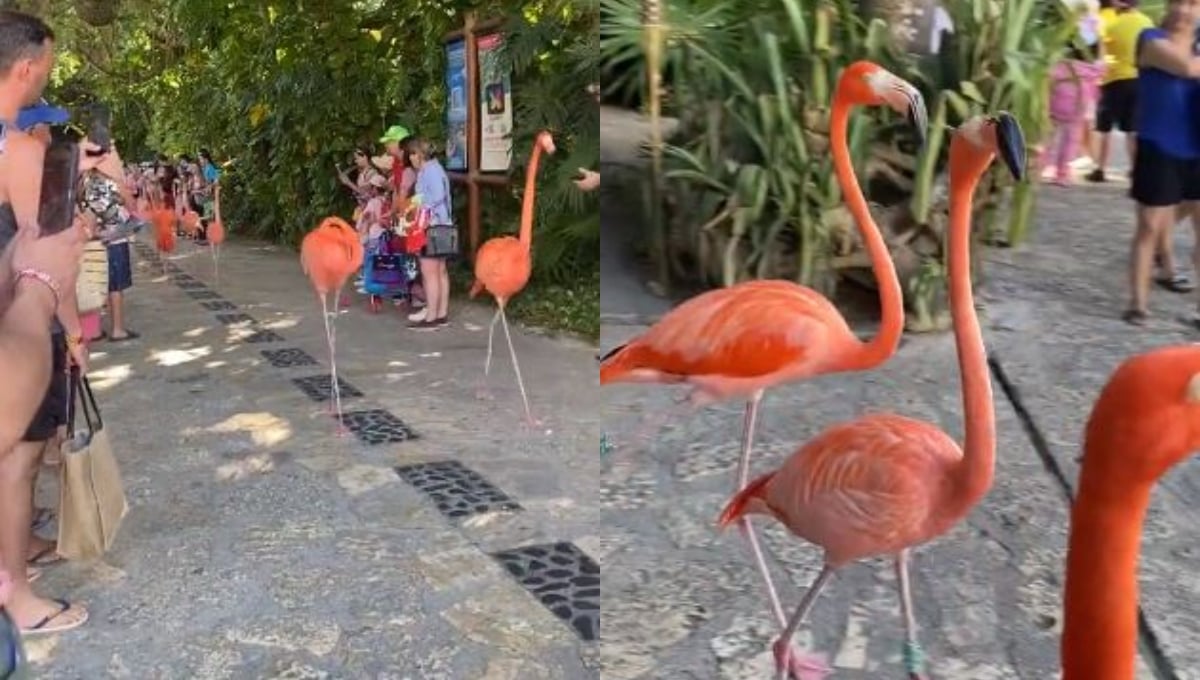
[(1120, 35)]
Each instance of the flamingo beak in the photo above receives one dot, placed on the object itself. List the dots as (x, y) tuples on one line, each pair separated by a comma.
[(909, 103), (1010, 143)]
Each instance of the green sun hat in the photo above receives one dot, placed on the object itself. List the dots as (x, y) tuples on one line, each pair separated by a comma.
[(394, 134)]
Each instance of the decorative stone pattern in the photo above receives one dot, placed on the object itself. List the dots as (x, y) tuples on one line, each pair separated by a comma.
[(218, 305), (239, 317), (288, 357), (456, 490), (377, 426), (203, 294), (318, 387), (184, 278), (192, 285), (260, 337), (563, 578)]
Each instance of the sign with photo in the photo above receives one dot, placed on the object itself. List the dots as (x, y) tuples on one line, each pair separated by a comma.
[(495, 103), (456, 105)]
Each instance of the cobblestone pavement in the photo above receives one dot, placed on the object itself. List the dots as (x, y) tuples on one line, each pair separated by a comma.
[(259, 545), (685, 602)]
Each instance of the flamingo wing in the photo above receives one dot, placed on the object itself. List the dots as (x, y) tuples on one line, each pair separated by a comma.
[(866, 487), (749, 330)]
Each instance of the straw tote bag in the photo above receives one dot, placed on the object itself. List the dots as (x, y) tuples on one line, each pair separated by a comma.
[(91, 287), (92, 501)]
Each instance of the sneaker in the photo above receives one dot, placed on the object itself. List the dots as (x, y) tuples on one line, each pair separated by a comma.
[(418, 316), (444, 321), (424, 325)]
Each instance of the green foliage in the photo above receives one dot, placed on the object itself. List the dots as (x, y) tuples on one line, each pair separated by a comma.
[(286, 90)]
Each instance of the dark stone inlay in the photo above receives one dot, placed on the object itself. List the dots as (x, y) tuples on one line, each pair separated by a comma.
[(563, 578), (259, 337), (239, 317), (218, 305), (456, 490), (203, 294), (191, 285), (377, 426), (317, 387), (184, 278), (288, 357)]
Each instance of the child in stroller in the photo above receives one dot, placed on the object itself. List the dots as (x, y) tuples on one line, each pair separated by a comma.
[(388, 271)]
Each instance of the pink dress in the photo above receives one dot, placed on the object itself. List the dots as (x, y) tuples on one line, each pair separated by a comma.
[(1074, 89)]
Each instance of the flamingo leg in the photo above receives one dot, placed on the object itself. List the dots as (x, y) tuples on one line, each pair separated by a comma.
[(529, 419), (483, 392), (806, 667), (748, 425), (914, 657), (333, 380)]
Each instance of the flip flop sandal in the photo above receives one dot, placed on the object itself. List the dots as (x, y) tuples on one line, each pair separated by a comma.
[(41, 518), (46, 558), (47, 626), (1135, 317), (32, 574), (1178, 283), (129, 335)]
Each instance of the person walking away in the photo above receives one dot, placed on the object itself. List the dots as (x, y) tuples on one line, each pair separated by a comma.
[(1118, 91), (433, 187), (1073, 89), (106, 200), (1166, 170)]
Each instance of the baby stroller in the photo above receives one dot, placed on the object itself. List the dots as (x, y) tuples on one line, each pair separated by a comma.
[(387, 270)]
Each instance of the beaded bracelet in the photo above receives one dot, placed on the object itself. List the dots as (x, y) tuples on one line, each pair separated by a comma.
[(45, 279)]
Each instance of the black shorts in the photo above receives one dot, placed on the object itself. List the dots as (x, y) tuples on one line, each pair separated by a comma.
[(120, 271), (53, 411), (1161, 180), (1118, 106)]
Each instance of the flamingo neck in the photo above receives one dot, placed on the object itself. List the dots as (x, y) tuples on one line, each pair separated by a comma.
[(975, 472), (526, 233), (1100, 632), (891, 298)]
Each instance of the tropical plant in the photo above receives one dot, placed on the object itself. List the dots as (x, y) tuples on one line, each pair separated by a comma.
[(750, 190)]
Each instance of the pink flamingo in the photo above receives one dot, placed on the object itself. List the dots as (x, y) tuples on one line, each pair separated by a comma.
[(883, 483), (741, 340), (216, 234)]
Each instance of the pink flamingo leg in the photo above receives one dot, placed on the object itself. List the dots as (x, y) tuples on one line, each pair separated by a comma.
[(914, 658), (529, 419), (333, 381), (748, 425), (787, 663), (483, 392), (216, 265)]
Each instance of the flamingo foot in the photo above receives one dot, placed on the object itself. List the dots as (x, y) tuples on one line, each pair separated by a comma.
[(799, 666), (531, 424)]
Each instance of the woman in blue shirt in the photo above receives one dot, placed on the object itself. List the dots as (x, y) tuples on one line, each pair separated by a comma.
[(1166, 168), (433, 186)]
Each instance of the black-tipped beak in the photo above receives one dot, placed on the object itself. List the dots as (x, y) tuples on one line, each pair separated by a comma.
[(918, 116), (1010, 142)]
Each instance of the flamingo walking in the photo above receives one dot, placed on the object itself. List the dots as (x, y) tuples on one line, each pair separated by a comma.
[(882, 484), (216, 234), (503, 265), (163, 220), (1146, 421), (329, 255), (741, 340)]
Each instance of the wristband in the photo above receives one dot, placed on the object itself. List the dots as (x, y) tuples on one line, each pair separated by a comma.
[(45, 279)]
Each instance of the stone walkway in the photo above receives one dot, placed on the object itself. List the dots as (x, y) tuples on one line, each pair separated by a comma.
[(683, 601), (259, 545)]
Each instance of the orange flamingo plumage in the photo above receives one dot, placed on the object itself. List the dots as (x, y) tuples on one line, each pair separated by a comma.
[(883, 483), (503, 265), (216, 234), (163, 221), (741, 340), (1146, 421), (329, 255)]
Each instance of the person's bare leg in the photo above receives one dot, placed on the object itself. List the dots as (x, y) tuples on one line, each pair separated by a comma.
[(1102, 153), (116, 312), (16, 503), (444, 288), (1152, 220), (432, 284), (1165, 254)]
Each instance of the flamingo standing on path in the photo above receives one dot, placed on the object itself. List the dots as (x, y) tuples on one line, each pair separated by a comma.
[(216, 234), (1146, 420), (741, 340), (503, 265), (329, 255), (163, 220), (883, 483)]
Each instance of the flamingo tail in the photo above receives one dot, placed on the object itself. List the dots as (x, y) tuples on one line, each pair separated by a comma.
[(615, 364), (739, 506)]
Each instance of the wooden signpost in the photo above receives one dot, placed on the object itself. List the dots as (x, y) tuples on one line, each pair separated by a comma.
[(474, 177)]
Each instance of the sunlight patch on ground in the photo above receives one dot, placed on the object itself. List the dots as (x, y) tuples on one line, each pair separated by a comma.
[(104, 378), (396, 363), (281, 324), (40, 649), (216, 364), (254, 464), (195, 332), (397, 377), (265, 429), (175, 357)]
